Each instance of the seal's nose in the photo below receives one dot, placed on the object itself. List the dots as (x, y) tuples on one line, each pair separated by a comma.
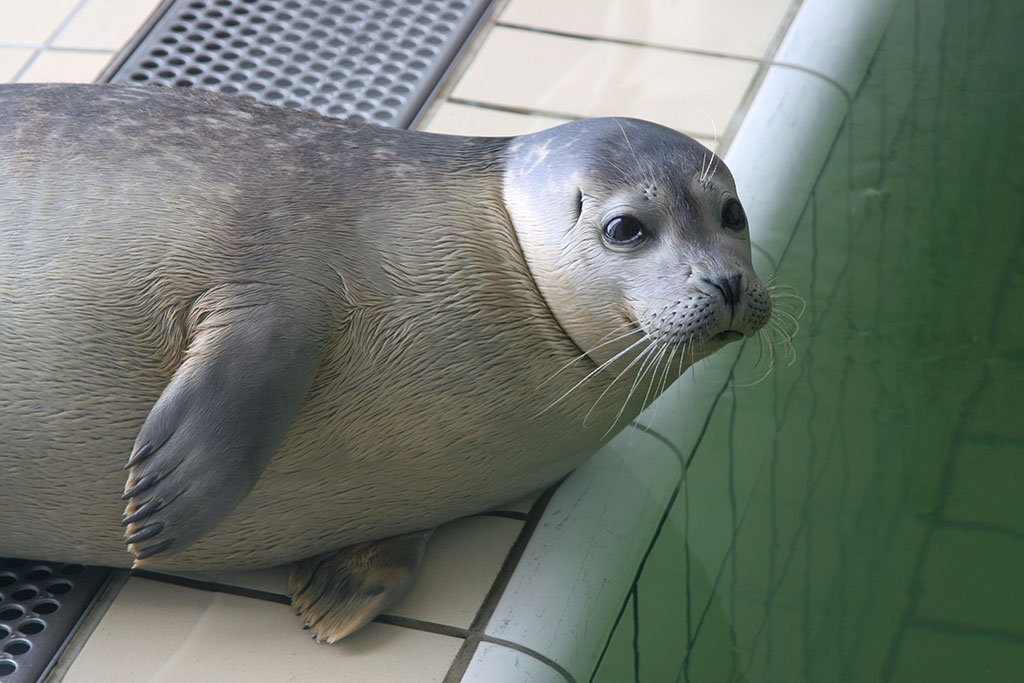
[(731, 287)]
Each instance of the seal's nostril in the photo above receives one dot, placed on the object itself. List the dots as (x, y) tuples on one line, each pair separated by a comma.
[(731, 287)]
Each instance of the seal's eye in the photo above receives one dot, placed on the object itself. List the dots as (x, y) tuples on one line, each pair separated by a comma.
[(733, 217), (624, 230)]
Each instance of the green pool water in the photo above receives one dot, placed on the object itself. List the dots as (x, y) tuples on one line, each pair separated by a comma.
[(859, 514)]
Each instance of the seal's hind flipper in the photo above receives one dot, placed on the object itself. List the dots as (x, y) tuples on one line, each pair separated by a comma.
[(207, 439), (339, 592)]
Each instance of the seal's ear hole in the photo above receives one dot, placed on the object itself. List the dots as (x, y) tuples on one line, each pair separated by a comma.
[(579, 204)]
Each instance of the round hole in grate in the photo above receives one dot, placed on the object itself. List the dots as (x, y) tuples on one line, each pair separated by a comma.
[(4, 631), (7, 667), (7, 579), (59, 587), (25, 593), (45, 607), (32, 627), (17, 647), (11, 613)]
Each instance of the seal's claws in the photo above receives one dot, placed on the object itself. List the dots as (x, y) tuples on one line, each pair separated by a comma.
[(158, 548), (140, 486), (338, 593), (139, 456), (143, 511), (146, 533)]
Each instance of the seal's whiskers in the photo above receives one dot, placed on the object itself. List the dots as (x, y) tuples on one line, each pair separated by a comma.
[(593, 372), (586, 354), (651, 354), (642, 355)]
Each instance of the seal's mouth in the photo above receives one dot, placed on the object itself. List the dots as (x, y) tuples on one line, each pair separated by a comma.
[(727, 336)]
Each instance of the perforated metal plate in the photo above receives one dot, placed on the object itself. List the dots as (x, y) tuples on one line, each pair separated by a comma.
[(40, 604), (371, 60)]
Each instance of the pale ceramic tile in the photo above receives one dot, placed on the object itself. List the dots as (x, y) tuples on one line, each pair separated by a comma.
[(66, 66), (271, 580), (692, 93), (522, 505), (737, 27), (104, 24), (157, 632), (463, 559), (577, 569), (12, 59), (461, 119), (493, 663), (32, 21)]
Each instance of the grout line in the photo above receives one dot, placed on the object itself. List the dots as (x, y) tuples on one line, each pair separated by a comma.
[(740, 113), (512, 109), (507, 514), (280, 599), (43, 48), (531, 111), (490, 603), (943, 522), (533, 654), (628, 42), (422, 625), (959, 629), (212, 586), (48, 43)]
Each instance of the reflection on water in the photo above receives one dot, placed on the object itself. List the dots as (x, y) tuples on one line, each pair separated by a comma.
[(858, 516)]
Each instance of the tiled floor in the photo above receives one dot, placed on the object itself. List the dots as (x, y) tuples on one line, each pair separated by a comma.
[(537, 64)]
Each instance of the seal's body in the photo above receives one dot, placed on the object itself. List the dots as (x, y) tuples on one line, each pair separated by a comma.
[(300, 333)]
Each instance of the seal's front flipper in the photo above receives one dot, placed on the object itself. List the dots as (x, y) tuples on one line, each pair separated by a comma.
[(339, 592), (204, 444)]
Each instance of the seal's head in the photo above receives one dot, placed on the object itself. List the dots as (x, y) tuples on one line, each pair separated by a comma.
[(636, 239)]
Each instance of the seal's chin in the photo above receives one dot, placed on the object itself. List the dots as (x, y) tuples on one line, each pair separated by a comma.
[(727, 336)]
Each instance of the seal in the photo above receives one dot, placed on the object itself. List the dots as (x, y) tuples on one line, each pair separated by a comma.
[(236, 335)]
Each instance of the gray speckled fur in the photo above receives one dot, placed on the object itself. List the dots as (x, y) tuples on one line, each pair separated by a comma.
[(335, 322)]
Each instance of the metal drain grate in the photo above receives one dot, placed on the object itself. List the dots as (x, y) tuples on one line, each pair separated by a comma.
[(40, 604), (370, 60)]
